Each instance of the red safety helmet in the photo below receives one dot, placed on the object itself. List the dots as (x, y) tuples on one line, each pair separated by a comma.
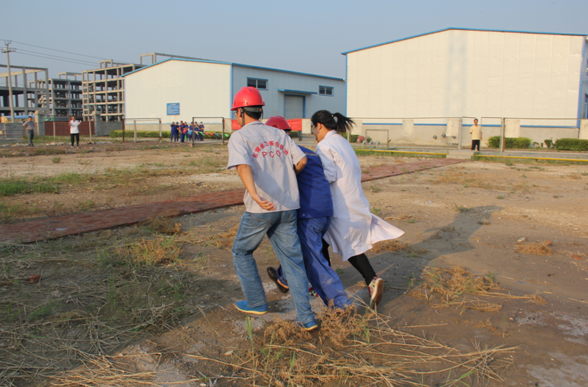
[(278, 122), (247, 96)]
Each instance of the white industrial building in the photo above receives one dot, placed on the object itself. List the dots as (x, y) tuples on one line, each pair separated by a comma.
[(471, 73), (426, 89), (181, 89)]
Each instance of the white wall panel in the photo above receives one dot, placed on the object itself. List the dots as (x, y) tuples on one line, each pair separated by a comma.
[(457, 73), (201, 89)]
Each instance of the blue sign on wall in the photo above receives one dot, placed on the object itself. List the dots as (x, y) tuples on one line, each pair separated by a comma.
[(173, 109)]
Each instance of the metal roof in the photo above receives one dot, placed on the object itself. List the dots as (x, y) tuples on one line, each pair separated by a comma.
[(230, 64), (460, 29)]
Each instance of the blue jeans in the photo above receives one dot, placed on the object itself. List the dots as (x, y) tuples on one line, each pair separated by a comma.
[(321, 276), (280, 228)]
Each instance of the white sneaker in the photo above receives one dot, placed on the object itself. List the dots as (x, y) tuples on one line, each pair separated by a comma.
[(376, 289)]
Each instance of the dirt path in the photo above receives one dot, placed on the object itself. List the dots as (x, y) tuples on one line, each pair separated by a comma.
[(490, 218)]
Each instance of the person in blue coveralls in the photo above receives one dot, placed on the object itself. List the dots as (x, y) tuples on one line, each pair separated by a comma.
[(192, 132), (314, 219), (267, 161), (174, 130), (201, 131), (184, 132)]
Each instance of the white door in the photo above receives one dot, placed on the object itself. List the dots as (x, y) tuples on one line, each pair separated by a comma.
[(293, 106)]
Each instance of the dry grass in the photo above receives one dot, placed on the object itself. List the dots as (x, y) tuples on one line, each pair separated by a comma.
[(535, 248), (151, 252), (356, 349), (458, 287), (163, 225), (61, 330), (224, 240), (389, 245)]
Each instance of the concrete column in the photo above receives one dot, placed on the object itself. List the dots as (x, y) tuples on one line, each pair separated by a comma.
[(40, 123), (583, 129), (408, 127), (25, 91), (306, 125), (512, 128)]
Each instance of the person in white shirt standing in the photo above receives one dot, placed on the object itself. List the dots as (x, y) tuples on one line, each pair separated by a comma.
[(476, 132), (74, 131), (267, 161), (354, 229)]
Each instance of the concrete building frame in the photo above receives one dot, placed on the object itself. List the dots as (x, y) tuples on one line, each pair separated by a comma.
[(65, 96), (103, 91), (28, 95)]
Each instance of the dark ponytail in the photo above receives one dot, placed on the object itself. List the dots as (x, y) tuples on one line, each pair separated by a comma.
[(336, 121)]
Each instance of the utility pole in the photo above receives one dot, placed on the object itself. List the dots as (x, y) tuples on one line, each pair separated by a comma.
[(8, 50)]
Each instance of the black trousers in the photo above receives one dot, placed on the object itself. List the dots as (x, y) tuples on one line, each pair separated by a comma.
[(31, 134), (476, 143), (75, 136), (359, 262)]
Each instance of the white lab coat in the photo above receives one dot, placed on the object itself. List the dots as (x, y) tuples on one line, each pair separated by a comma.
[(354, 229)]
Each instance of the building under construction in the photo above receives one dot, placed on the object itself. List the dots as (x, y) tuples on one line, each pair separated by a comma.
[(103, 88), (65, 96), (26, 87), (103, 91)]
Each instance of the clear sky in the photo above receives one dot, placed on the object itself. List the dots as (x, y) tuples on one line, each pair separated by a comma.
[(306, 36)]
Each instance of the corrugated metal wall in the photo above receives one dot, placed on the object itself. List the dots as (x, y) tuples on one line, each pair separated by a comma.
[(62, 128), (201, 89), (467, 73)]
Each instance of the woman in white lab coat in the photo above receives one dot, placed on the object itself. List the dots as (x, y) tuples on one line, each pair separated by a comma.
[(354, 229)]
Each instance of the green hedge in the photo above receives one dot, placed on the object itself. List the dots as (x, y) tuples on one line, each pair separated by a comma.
[(573, 144), (353, 136), (155, 134), (511, 143)]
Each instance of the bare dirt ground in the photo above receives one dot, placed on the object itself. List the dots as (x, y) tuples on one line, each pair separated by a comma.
[(152, 304)]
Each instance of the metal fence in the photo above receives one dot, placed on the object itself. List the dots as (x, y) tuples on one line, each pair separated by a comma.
[(132, 126), (454, 132), (12, 131)]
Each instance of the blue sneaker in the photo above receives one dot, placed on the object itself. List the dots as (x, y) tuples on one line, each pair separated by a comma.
[(309, 326), (242, 306)]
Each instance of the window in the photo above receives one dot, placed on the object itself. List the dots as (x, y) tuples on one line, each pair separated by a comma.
[(257, 83), (326, 90)]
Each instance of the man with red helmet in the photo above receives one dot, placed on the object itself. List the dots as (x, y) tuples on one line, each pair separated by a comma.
[(314, 218), (267, 161)]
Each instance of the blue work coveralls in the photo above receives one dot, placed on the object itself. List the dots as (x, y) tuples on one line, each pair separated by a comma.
[(314, 218)]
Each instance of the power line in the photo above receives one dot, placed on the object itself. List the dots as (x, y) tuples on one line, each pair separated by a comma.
[(72, 53), (60, 60), (58, 57), (66, 52)]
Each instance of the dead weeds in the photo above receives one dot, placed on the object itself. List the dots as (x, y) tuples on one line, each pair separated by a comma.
[(150, 252), (163, 225), (458, 287), (90, 301), (360, 348), (224, 240), (535, 248), (389, 245)]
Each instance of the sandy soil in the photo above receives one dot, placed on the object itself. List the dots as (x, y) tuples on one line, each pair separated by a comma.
[(476, 215)]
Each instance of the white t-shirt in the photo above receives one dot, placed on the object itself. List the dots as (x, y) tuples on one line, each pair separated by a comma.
[(271, 154), (476, 132), (73, 127)]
